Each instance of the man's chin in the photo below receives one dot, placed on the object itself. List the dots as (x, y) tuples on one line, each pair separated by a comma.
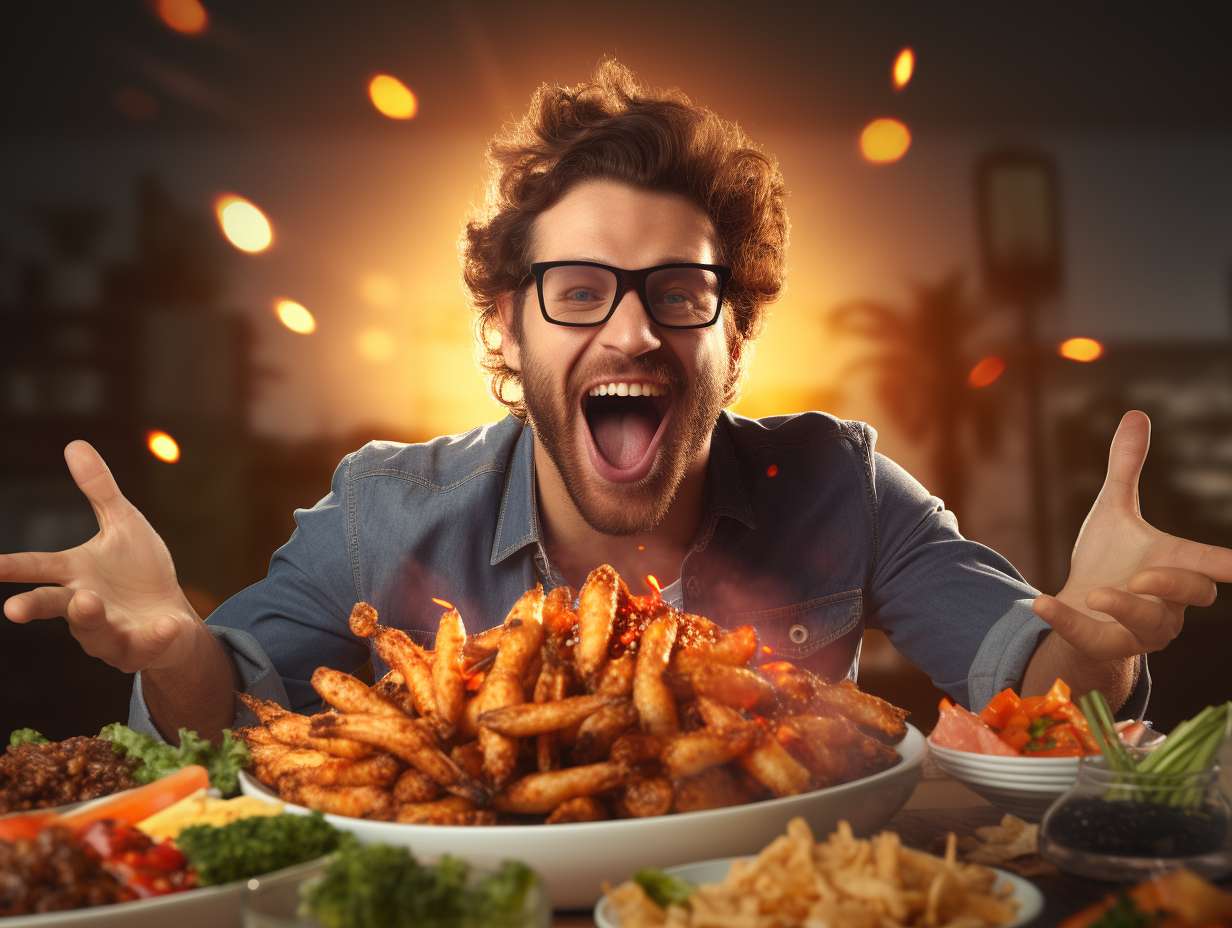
[(622, 508)]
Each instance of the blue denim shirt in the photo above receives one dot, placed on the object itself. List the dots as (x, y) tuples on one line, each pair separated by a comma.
[(807, 534)]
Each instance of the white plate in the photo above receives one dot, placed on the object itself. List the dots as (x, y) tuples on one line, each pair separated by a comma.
[(208, 907), (1030, 901), (1002, 763), (575, 859)]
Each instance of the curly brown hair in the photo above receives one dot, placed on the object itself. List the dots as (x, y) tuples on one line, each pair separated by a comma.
[(612, 127)]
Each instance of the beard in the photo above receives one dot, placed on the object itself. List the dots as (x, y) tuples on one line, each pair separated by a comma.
[(622, 508)]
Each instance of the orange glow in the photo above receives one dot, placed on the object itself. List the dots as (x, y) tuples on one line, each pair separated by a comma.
[(986, 372), (653, 583), (904, 67), (442, 603), (766, 649), (187, 17), (376, 345), (295, 316), (162, 446), (379, 289), (772, 470), (641, 547), (243, 224), (884, 141), (392, 98), (1081, 349)]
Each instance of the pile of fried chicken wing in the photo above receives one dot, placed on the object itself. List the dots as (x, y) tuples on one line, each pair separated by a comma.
[(613, 705)]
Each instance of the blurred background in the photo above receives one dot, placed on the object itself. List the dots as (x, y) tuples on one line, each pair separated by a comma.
[(228, 256)]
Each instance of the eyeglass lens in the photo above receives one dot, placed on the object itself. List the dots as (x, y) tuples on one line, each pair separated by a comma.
[(679, 296)]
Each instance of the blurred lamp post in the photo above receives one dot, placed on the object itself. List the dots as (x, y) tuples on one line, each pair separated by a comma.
[(1019, 220)]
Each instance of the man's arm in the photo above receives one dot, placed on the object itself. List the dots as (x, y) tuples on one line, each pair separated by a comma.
[(174, 695), (1055, 657)]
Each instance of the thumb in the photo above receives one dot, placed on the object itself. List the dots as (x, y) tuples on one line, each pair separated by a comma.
[(1125, 460), (93, 478)]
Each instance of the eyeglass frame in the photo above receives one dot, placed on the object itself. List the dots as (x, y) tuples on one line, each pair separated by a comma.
[(627, 280)]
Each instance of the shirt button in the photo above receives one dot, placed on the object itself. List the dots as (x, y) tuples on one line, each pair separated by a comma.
[(798, 634)]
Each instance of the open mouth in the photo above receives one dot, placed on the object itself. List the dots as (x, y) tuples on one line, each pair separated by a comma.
[(625, 424)]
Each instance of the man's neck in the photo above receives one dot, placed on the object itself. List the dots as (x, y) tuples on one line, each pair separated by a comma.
[(574, 547)]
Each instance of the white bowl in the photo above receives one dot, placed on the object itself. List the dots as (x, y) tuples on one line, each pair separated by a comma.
[(575, 859), (1023, 786), (1030, 902)]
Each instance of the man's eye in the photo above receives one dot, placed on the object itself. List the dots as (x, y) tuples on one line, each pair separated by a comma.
[(582, 295)]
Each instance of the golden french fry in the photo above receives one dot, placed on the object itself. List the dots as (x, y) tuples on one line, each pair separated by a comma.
[(448, 681), (637, 747), (540, 793), (469, 757), (643, 797), (656, 706), (468, 721), (380, 770), (398, 651), (581, 809), (415, 786), (355, 801), (296, 731), (520, 642), (393, 688), (350, 694), (553, 684), (616, 677), (689, 754), (714, 788), (768, 762), (596, 619), (805, 693), (735, 647), (738, 687), (527, 719)]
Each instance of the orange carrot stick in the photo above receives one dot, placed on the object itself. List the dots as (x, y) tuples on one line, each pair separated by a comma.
[(137, 804)]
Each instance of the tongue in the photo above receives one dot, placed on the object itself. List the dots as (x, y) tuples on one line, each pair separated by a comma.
[(623, 437)]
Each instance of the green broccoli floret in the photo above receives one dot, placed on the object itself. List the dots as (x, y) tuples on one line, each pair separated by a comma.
[(253, 846)]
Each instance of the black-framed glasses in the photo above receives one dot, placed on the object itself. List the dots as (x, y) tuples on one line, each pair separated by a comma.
[(586, 293)]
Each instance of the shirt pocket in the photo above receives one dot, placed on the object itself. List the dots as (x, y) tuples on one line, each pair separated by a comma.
[(800, 630)]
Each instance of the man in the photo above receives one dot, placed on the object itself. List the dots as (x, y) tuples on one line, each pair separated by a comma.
[(631, 243)]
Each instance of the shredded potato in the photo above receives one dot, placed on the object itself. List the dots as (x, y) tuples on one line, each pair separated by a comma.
[(842, 882)]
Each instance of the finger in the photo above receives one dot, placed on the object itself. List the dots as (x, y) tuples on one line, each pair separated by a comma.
[(94, 479), (1125, 459), (47, 602), (1211, 560), (86, 612), (34, 567), (1175, 584), (1099, 641), (1150, 620)]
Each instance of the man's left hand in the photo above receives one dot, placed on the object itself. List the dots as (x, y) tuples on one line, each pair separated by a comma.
[(1129, 583)]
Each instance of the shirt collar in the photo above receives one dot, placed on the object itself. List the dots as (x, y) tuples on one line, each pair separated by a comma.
[(518, 523)]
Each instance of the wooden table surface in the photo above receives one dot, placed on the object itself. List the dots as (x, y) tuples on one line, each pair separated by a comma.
[(940, 804)]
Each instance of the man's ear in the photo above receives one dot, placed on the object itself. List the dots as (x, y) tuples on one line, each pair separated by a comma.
[(509, 347)]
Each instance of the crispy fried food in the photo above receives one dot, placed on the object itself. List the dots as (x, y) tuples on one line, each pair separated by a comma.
[(552, 685), (480, 648), (637, 747), (350, 694), (714, 788), (806, 693), (689, 754), (394, 689), (596, 619), (616, 677), (581, 809), (834, 749), (528, 719), (656, 706), (522, 638), (540, 793), (559, 619), (452, 810), (356, 801), (415, 786), (470, 758), (448, 681), (643, 797), (363, 620), (398, 651), (293, 729), (738, 687), (768, 762), (403, 738), (597, 734), (735, 647), (468, 722)]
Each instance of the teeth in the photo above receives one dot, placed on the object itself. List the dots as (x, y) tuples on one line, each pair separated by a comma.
[(625, 388)]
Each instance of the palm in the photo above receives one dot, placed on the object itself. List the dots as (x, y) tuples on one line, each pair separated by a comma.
[(118, 590)]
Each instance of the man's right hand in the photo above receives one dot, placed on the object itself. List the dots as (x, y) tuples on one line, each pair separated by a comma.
[(118, 591)]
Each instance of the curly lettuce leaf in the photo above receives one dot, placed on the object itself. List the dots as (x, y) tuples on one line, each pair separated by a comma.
[(26, 736), (156, 759)]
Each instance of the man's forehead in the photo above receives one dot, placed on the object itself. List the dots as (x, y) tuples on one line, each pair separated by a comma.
[(621, 225)]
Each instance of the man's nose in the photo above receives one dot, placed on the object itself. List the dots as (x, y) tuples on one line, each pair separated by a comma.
[(630, 328)]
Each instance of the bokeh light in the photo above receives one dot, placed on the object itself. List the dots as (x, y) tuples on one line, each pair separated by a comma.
[(295, 316), (1081, 349), (162, 446), (188, 17), (244, 225), (986, 372), (376, 345), (884, 141), (904, 68), (392, 98)]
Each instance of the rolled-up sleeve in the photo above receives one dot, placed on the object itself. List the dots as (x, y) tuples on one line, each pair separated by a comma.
[(280, 629)]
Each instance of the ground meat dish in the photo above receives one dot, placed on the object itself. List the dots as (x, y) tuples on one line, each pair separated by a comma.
[(52, 872), (37, 776)]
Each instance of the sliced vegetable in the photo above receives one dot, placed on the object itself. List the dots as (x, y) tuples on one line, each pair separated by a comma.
[(136, 804), (665, 889), (16, 827), (26, 736)]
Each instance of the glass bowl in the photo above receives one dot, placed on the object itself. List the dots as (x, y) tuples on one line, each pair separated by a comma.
[(1129, 826)]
